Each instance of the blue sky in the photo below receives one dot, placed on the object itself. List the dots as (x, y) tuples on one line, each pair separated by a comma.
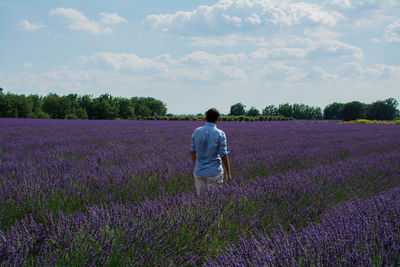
[(199, 54)]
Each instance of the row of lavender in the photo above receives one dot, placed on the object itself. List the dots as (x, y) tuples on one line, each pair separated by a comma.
[(184, 229), (357, 233), (106, 173)]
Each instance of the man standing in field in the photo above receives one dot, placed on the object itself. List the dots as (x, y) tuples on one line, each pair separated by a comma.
[(208, 150)]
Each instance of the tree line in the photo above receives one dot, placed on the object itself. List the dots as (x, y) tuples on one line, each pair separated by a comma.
[(378, 110), (295, 111), (74, 106)]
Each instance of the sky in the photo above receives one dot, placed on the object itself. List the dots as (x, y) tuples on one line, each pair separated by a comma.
[(198, 54)]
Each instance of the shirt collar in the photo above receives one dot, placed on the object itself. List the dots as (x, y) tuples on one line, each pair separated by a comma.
[(210, 124)]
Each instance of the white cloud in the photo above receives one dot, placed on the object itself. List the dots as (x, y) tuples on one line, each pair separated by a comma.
[(112, 18), (383, 71), (241, 14), (345, 4), (205, 58), (364, 22), (380, 71), (165, 58), (80, 60), (310, 50), (352, 4), (282, 52), (254, 19), (60, 79), (214, 66), (342, 49), (375, 40), (63, 74), (282, 71), (314, 13), (188, 74), (27, 65), (79, 22), (235, 73), (366, 14), (200, 57), (228, 40), (127, 61), (232, 20), (313, 44), (198, 65), (322, 74), (25, 25), (234, 59), (351, 69), (293, 63), (321, 33), (392, 32)]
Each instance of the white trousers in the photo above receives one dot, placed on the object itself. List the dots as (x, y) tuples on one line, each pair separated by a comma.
[(208, 182)]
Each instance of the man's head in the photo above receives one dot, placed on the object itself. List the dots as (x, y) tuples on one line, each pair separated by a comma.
[(212, 115)]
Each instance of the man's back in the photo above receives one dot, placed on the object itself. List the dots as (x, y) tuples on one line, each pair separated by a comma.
[(209, 143)]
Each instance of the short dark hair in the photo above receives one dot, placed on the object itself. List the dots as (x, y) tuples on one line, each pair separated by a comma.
[(212, 115)]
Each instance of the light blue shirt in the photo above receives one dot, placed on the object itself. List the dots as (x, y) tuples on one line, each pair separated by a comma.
[(209, 143)]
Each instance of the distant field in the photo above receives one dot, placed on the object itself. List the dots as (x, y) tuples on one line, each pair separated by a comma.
[(122, 193)]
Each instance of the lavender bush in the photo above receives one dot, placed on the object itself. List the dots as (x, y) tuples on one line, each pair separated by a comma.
[(357, 233), (121, 192)]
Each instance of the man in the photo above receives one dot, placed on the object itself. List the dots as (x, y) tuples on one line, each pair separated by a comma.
[(208, 150)]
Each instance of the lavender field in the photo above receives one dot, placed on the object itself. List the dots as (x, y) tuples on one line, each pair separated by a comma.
[(122, 193)]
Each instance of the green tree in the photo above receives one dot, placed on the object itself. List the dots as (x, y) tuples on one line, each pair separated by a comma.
[(78, 114), (383, 110), (157, 107), (316, 113), (126, 108), (3, 104), (253, 112), (142, 111), (285, 110), (299, 111), (307, 112), (333, 111), (353, 110), (51, 106), (104, 108), (35, 102), (15, 106), (237, 109), (84, 101), (73, 106), (270, 110), (148, 106)]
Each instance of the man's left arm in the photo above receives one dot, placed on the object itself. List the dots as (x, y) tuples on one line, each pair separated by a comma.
[(224, 156)]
